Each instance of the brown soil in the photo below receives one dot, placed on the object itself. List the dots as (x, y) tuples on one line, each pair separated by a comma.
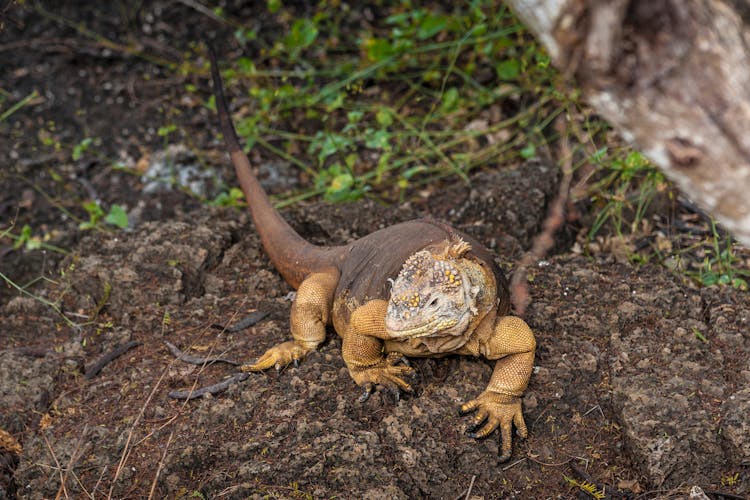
[(641, 383)]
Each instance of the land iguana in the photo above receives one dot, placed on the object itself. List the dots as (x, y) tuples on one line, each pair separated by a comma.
[(418, 288)]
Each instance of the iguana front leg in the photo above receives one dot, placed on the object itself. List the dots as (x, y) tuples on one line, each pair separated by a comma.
[(500, 404), (362, 350), (311, 312)]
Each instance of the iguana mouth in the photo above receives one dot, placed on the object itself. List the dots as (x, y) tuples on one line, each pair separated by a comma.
[(430, 328)]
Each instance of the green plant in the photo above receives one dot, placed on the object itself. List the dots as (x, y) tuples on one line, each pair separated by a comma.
[(232, 198), (81, 148), (29, 241), (54, 305), (165, 131), (25, 239), (626, 190), (730, 479), (589, 488), (20, 104), (115, 217), (721, 265), (392, 110)]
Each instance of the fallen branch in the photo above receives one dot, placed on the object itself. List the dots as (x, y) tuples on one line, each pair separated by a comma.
[(544, 241), (246, 322), (106, 359), (211, 389), (195, 360)]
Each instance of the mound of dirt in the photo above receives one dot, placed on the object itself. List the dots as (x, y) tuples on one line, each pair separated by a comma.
[(640, 380)]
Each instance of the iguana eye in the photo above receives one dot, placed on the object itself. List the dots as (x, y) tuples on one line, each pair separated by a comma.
[(433, 302)]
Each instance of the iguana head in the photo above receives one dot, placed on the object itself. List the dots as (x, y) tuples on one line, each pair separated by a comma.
[(433, 294)]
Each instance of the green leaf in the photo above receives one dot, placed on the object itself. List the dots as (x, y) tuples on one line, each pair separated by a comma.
[(244, 35), (739, 283), (273, 6), (411, 172), (117, 217), (401, 19), (34, 243), (166, 130), (599, 154), (211, 103), (508, 69), (378, 139), (384, 117), (335, 101), (341, 186), (354, 116), (328, 144), (709, 279), (378, 49), (230, 199), (23, 237), (247, 128), (94, 210), (699, 335), (246, 65), (302, 35), (341, 182), (528, 151), (81, 148), (450, 100), (351, 160), (383, 165), (431, 25)]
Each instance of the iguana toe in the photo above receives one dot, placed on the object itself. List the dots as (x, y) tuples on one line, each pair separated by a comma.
[(496, 410), (278, 356), (386, 375), (395, 358), (369, 389)]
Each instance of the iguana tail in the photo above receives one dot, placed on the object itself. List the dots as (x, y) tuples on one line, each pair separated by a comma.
[(291, 254)]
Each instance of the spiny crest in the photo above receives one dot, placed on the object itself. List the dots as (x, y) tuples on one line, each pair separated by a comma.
[(456, 248)]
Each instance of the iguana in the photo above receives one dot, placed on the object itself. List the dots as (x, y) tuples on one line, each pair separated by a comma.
[(418, 288)]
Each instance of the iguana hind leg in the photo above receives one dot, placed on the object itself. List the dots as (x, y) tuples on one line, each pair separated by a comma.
[(311, 312)]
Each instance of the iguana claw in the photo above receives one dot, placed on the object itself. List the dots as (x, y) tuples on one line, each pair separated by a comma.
[(496, 410), (369, 389), (387, 374), (279, 356)]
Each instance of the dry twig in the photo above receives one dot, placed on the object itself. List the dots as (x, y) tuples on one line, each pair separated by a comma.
[(160, 466), (544, 241), (195, 360), (107, 358), (211, 389), (246, 322)]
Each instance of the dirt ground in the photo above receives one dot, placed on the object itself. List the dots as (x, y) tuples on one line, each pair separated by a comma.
[(641, 384)]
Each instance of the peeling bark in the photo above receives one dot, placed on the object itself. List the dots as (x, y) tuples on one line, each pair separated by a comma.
[(673, 77)]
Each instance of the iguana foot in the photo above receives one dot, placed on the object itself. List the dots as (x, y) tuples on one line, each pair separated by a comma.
[(370, 389), (386, 373), (496, 410), (279, 356)]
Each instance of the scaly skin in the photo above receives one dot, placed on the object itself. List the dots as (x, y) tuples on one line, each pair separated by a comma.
[(418, 288)]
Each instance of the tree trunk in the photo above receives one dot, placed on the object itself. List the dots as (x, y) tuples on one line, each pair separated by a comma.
[(673, 76)]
